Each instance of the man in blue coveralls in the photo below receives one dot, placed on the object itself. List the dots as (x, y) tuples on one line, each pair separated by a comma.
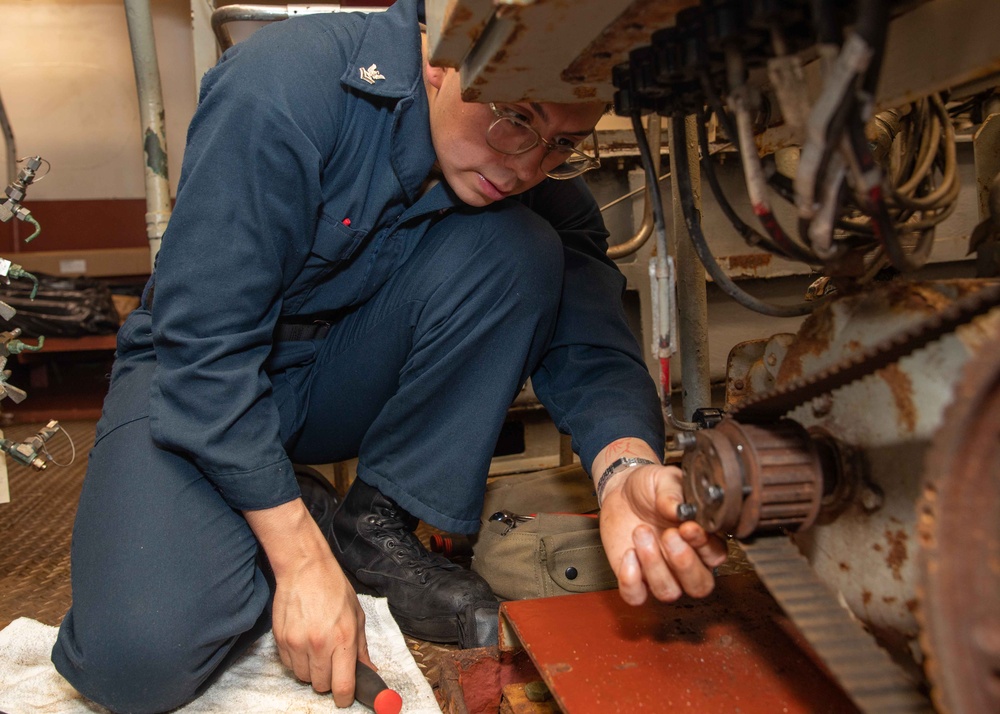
[(359, 264)]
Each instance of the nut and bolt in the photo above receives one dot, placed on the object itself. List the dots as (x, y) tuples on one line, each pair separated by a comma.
[(686, 511), (871, 498), (685, 440), (822, 405)]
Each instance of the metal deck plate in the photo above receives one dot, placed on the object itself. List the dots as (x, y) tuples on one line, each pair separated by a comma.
[(36, 526), (732, 652)]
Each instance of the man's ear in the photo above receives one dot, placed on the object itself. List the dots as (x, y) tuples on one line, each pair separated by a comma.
[(434, 75)]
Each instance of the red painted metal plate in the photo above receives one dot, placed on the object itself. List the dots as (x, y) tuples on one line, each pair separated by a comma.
[(734, 651)]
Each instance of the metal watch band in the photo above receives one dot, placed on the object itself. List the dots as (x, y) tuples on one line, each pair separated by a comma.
[(626, 462)]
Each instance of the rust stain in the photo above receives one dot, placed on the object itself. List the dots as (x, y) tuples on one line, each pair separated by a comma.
[(926, 299), (459, 14), (877, 548), (912, 605), (587, 92), (515, 34), (901, 386), (920, 299), (621, 145), (471, 94), (461, 19), (889, 599), (632, 28), (752, 261), (813, 338), (844, 566), (866, 596), (897, 552)]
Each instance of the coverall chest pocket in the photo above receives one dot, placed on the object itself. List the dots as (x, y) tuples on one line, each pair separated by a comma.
[(334, 246), (335, 240)]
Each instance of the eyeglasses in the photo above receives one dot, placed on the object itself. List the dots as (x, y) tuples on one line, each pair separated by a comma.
[(510, 134)]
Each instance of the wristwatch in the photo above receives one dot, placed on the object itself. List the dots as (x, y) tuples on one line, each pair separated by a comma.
[(626, 462)]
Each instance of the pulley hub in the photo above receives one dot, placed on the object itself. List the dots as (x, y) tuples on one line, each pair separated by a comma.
[(744, 479)]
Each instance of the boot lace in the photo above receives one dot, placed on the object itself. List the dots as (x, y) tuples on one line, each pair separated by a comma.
[(402, 545)]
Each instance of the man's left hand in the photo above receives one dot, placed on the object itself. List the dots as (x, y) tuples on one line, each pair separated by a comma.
[(649, 550)]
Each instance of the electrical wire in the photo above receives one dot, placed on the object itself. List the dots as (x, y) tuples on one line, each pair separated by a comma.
[(751, 237), (824, 13), (693, 221), (835, 154), (906, 194), (752, 169), (872, 26)]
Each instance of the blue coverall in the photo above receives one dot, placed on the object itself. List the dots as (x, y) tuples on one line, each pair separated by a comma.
[(301, 197)]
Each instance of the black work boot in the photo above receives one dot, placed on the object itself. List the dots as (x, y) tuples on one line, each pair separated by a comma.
[(430, 597)]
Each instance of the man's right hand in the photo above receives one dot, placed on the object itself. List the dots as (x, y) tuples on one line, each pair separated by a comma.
[(318, 623)]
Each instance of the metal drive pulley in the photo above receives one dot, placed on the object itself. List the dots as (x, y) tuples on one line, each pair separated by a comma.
[(743, 479)]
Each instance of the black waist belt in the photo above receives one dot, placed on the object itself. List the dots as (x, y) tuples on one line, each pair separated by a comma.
[(291, 332)]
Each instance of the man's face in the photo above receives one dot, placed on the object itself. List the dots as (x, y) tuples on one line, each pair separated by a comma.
[(479, 174)]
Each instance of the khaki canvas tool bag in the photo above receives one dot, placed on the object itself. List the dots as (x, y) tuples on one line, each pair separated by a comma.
[(537, 539)]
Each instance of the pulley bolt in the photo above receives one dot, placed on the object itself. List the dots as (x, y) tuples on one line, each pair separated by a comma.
[(871, 498), (684, 440), (686, 511), (822, 405), (715, 493)]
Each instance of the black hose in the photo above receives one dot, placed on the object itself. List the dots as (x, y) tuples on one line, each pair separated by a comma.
[(785, 190), (693, 221), (824, 14), (659, 223), (872, 26), (749, 235)]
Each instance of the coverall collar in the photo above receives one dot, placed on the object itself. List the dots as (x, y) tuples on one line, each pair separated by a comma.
[(385, 68), (388, 63)]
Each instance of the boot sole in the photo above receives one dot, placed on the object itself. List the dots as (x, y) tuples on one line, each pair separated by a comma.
[(443, 630)]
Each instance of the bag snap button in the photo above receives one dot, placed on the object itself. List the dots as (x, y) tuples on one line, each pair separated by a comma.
[(571, 573)]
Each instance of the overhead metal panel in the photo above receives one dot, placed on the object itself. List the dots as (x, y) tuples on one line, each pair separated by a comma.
[(545, 50)]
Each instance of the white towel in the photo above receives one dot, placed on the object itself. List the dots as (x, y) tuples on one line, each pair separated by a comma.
[(257, 683)]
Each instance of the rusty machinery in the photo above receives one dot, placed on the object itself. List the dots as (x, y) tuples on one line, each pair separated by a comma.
[(869, 469), (858, 460), (836, 465)]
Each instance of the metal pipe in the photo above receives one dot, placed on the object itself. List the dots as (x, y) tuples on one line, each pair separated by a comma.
[(692, 292), (151, 114), (268, 13), (653, 129), (235, 13), (8, 135)]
